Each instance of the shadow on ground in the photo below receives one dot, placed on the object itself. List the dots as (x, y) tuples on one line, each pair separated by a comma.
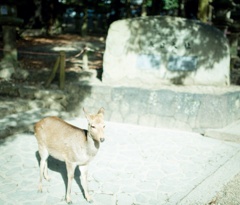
[(60, 167)]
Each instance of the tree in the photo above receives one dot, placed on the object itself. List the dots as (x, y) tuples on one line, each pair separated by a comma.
[(203, 8)]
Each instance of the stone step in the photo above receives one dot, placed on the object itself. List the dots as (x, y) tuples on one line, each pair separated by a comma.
[(24, 121), (10, 106), (228, 133), (20, 97)]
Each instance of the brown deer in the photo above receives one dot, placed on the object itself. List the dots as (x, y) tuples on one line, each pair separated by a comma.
[(74, 146)]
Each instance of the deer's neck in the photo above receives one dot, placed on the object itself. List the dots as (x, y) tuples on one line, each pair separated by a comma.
[(92, 145)]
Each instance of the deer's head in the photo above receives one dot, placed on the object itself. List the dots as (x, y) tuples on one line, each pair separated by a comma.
[(96, 125)]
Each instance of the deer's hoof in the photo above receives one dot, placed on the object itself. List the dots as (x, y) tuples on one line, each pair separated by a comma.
[(89, 199), (48, 178), (40, 188), (69, 201), (39, 191)]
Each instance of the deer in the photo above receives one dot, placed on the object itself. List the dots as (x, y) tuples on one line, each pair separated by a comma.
[(68, 143)]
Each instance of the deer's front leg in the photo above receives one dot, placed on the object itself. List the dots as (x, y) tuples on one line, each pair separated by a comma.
[(83, 178), (70, 174)]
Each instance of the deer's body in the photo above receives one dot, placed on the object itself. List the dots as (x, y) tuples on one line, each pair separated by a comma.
[(71, 145), (74, 146)]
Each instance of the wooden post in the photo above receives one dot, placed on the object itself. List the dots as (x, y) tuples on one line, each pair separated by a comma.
[(62, 69), (54, 70), (60, 62)]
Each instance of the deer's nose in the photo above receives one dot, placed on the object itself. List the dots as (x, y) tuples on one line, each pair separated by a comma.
[(102, 139)]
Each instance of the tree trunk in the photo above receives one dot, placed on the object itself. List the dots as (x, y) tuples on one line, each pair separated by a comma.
[(203, 10), (181, 9), (155, 8), (144, 8), (84, 27), (128, 9)]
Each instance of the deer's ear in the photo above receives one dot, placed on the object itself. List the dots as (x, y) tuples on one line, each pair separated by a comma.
[(101, 111), (87, 115)]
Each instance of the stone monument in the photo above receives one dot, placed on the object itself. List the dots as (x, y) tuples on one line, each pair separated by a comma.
[(159, 50)]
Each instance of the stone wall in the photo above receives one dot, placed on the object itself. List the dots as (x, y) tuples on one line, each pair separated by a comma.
[(165, 50), (193, 108), (186, 108)]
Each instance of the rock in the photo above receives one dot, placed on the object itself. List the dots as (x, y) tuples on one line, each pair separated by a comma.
[(151, 51), (6, 70), (21, 74)]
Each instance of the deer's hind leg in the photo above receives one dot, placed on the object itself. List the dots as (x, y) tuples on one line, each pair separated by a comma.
[(43, 166)]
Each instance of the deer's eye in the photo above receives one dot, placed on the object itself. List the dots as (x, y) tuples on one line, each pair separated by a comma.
[(92, 126)]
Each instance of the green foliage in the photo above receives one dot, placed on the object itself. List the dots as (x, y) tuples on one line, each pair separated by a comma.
[(170, 4), (147, 3)]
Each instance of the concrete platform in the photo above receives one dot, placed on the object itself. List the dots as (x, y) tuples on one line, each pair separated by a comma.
[(135, 165), (228, 133)]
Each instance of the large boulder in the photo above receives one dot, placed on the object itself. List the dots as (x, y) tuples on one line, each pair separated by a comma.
[(152, 51)]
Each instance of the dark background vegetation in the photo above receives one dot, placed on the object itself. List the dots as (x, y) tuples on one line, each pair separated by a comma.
[(97, 15), (92, 18)]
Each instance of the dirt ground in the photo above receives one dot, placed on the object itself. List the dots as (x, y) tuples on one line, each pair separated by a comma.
[(40, 53)]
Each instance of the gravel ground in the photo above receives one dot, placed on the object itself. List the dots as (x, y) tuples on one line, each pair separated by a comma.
[(229, 195)]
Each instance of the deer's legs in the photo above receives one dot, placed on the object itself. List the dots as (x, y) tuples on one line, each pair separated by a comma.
[(70, 174), (83, 178), (43, 166)]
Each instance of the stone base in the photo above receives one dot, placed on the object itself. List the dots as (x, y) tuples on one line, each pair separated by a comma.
[(192, 108), (195, 108)]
